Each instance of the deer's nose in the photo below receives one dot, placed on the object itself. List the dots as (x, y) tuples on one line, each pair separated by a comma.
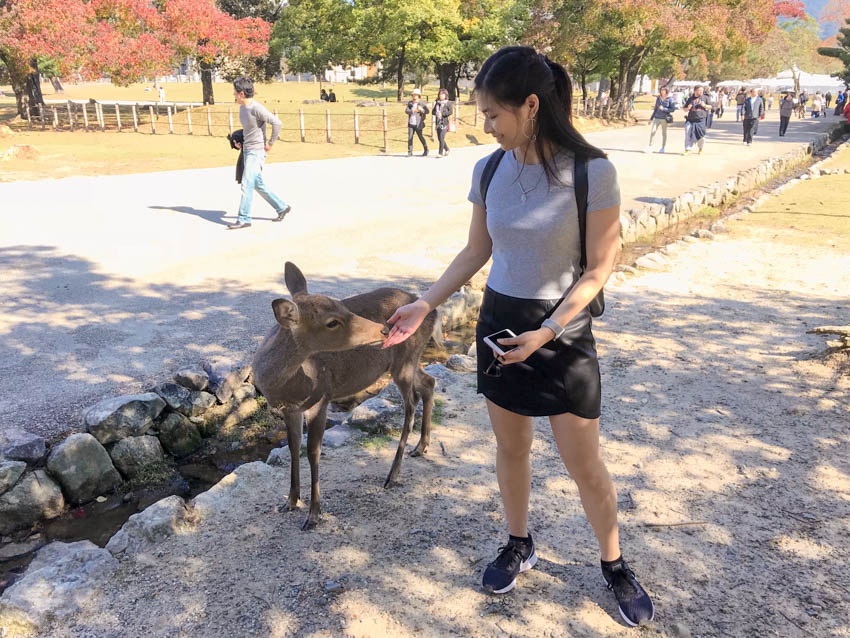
[(385, 331)]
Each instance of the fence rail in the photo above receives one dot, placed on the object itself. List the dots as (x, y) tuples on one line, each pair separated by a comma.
[(363, 125)]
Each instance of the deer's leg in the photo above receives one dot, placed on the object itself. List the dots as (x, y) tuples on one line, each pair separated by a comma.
[(424, 386), (404, 380), (294, 422), (316, 418)]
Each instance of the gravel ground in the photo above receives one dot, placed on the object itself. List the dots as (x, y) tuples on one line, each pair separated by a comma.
[(724, 427)]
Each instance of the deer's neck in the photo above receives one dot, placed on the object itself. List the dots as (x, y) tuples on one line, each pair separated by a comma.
[(278, 361)]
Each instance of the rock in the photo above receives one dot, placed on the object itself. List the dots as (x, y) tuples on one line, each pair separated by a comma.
[(332, 587), (459, 308), (338, 436), (135, 453), (192, 378), (225, 375), (17, 550), (462, 363), (680, 631), (83, 468), (374, 413), (441, 373), (371, 103), (61, 579), (229, 415), (131, 415), (629, 269), (390, 393), (244, 392), (718, 227), (35, 497), (702, 233), (178, 435), (335, 418), (651, 261), (280, 455), (235, 494), (154, 524), (183, 400), (473, 350), (20, 445), (10, 472)]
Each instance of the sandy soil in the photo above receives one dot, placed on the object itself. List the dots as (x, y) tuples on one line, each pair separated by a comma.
[(724, 427)]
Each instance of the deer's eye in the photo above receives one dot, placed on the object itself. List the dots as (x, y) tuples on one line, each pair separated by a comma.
[(333, 324)]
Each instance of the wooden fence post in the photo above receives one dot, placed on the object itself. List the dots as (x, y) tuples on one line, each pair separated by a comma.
[(70, 116), (457, 113), (28, 115), (55, 119), (102, 117), (475, 120), (189, 118), (86, 116), (230, 119), (135, 120), (356, 128), (170, 121), (209, 121), (301, 118), (118, 116), (328, 124), (153, 121), (386, 140)]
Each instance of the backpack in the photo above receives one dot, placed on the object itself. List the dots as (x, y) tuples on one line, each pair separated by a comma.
[(597, 304)]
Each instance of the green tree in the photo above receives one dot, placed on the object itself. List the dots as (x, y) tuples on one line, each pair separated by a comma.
[(266, 66), (313, 35), (841, 52)]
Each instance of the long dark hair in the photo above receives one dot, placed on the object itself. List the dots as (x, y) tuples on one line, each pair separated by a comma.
[(513, 73)]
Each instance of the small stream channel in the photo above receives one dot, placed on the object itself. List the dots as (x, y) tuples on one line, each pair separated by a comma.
[(99, 521)]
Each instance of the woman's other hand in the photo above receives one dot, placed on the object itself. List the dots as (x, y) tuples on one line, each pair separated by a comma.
[(524, 345), (405, 321)]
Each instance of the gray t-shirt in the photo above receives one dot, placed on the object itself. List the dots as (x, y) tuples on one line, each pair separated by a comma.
[(536, 243), (253, 118)]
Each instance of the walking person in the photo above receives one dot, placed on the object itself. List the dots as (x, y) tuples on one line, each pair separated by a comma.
[(550, 368), (839, 102), (770, 102), (416, 112), (662, 115), (255, 145), (695, 129), (801, 104), (441, 112), (827, 99), (753, 111), (740, 98), (786, 109)]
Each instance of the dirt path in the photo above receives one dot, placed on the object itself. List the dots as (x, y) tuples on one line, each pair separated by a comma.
[(719, 411)]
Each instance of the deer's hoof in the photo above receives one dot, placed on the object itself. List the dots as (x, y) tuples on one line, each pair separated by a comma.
[(390, 482), (418, 451), (293, 505), (310, 523)]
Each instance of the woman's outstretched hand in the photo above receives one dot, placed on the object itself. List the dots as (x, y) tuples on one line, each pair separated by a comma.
[(524, 345), (405, 321)]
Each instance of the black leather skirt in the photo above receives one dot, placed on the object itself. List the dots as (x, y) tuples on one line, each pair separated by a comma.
[(562, 376)]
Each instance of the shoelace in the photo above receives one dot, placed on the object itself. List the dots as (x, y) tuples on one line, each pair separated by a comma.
[(506, 555), (626, 573)]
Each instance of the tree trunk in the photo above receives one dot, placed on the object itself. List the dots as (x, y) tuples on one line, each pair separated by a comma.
[(207, 84), (583, 80), (33, 90), (400, 75), (57, 85), (448, 75)]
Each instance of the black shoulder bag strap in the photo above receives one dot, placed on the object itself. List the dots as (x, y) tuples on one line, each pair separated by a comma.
[(487, 175)]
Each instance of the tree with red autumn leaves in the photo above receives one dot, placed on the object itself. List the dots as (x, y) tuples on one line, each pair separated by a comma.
[(124, 40)]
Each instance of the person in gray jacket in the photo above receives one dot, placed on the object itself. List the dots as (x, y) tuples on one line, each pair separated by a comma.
[(786, 109), (661, 117), (442, 111), (416, 112), (753, 110), (254, 117)]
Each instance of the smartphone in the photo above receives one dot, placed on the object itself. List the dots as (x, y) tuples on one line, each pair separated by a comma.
[(490, 340)]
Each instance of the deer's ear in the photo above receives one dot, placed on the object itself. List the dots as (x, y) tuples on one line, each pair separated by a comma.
[(286, 312), (294, 279)]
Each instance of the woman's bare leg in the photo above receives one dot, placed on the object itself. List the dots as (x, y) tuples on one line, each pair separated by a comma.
[(514, 435)]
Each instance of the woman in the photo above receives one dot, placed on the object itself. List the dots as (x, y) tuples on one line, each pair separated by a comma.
[(817, 103), (442, 111), (664, 108), (839, 103), (416, 112), (528, 222)]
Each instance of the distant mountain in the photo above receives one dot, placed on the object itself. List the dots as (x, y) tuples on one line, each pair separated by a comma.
[(814, 8)]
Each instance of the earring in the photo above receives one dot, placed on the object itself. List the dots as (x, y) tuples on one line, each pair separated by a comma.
[(533, 136)]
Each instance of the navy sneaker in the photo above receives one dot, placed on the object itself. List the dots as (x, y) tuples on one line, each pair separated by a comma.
[(635, 604), (514, 558)]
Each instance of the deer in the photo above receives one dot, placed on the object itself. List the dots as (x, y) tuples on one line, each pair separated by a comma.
[(323, 349)]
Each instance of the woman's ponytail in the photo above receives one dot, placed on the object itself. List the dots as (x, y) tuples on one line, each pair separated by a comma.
[(563, 86)]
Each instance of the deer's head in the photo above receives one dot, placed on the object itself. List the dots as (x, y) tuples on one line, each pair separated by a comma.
[(319, 323)]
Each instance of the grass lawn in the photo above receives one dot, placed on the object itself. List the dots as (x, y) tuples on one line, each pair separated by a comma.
[(64, 153), (810, 213)]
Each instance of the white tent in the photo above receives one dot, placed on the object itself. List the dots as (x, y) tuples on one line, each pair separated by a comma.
[(811, 81)]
